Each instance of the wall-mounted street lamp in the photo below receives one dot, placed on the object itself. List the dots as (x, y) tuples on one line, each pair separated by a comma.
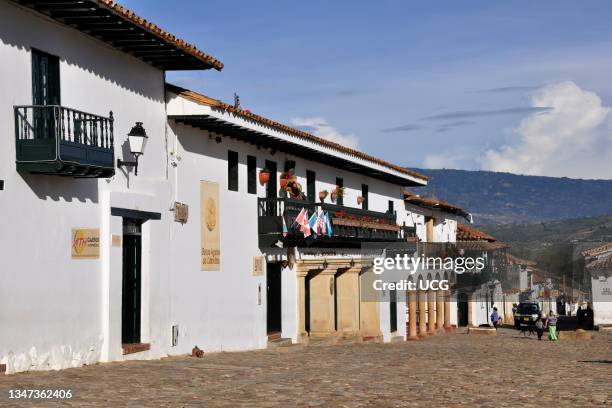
[(137, 138)]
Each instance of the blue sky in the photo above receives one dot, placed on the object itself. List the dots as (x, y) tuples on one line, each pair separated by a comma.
[(429, 83)]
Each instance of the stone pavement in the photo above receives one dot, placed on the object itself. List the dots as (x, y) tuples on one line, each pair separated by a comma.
[(446, 370)]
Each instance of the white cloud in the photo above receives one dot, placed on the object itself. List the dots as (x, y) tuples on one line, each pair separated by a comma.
[(446, 160), (574, 139), (320, 127)]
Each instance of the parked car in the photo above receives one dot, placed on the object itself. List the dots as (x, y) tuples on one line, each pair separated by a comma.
[(527, 313)]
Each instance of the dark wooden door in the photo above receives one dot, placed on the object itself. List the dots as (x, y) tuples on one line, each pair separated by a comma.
[(273, 275), (131, 295), (271, 188), (45, 92), (462, 310), (393, 310)]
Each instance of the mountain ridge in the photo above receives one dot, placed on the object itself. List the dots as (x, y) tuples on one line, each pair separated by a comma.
[(506, 198)]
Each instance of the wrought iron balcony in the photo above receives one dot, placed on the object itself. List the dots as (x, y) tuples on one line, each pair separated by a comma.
[(350, 226), (53, 139)]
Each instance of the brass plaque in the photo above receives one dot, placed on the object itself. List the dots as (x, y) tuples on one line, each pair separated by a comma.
[(258, 266), (181, 212), (116, 240)]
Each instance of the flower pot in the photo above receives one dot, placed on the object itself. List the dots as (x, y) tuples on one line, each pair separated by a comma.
[(360, 200), (264, 177), (323, 195), (284, 178), (334, 196)]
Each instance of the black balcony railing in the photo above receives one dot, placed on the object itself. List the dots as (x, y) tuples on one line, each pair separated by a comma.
[(350, 226), (53, 139)]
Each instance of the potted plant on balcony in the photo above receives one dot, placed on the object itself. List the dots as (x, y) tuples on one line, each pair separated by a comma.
[(359, 200), (337, 193), (294, 188), (323, 195), (264, 176), (284, 178)]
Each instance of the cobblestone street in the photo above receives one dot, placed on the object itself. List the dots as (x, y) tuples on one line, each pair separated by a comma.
[(446, 370)]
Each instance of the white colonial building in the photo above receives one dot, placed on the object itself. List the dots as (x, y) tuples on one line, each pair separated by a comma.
[(76, 77), (598, 265), (142, 219)]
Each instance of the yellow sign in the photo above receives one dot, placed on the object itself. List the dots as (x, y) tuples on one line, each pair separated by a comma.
[(116, 240), (210, 238), (258, 266), (85, 243)]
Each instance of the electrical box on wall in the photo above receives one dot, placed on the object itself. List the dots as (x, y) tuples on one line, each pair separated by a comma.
[(175, 334), (181, 212)]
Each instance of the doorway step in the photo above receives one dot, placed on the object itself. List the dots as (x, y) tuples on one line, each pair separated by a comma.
[(275, 340)]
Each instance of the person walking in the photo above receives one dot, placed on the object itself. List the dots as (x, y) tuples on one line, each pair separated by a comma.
[(495, 318), (539, 325), (551, 323)]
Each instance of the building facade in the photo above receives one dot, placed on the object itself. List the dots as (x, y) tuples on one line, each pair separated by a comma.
[(73, 88), (114, 251), (143, 219)]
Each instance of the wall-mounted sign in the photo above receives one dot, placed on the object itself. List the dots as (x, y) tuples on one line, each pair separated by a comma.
[(116, 240), (181, 212), (210, 254), (85, 243), (258, 266)]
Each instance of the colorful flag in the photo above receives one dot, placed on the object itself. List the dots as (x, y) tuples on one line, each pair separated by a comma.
[(328, 227), (302, 221), (321, 225), (285, 229), (312, 223)]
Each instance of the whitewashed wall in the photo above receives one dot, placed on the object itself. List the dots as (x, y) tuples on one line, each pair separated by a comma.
[(56, 312), (229, 318), (52, 307), (601, 287)]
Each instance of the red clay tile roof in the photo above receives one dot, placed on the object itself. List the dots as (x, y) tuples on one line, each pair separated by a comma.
[(515, 260), (480, 245), (466, 233), (602, 264), (121, 28), (598, 250), (215, 103), (156, 30), (430, 202)]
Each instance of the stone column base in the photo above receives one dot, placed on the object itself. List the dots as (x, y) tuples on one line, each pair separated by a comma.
[(347, 334), (302, 338), (322, 335)]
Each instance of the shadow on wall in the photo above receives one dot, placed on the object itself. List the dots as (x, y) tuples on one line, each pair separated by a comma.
[(87, 53), (59, 188), (203, 142)]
